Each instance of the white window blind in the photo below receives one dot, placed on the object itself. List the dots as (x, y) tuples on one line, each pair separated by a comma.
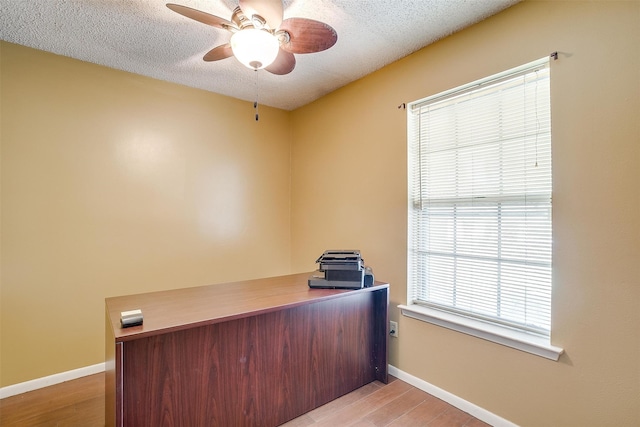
[(480, 200)]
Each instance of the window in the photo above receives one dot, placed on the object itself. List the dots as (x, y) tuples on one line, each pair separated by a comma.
[(480, 206)]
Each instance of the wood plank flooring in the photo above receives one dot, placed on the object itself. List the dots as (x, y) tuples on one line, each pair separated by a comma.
[(73, 403), (80, 403)]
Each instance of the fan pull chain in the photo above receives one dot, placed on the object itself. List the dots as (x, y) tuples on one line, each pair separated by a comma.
[(255, 104)]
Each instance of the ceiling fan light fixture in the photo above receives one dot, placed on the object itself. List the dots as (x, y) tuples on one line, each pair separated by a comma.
[(261, 38), (255, 48)]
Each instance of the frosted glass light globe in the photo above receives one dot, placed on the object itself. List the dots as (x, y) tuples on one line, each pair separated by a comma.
[(254, 48)]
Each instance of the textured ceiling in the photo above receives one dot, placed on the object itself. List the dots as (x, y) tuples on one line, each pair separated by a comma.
[(145, 37)]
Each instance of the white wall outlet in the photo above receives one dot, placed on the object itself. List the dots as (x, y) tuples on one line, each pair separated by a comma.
[(393, 328)]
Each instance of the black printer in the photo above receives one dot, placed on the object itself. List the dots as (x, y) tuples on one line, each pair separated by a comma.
[(341, 269)]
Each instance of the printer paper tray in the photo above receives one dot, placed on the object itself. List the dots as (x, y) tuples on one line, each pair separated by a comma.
[(331, 284)]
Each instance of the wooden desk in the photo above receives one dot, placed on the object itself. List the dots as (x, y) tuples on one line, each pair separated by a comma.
[(251, 353)]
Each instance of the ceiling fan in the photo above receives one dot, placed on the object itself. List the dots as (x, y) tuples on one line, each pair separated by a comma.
[(261, 38)]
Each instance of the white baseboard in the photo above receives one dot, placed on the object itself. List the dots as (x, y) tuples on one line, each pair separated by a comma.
[(26, 386), (468, 407)]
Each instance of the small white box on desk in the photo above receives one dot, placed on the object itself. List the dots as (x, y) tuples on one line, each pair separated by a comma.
[(131, 318)]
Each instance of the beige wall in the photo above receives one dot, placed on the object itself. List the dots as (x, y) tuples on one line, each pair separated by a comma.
[(113, 184), (349, 191)]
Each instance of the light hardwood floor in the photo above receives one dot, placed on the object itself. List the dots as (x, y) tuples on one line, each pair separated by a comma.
[(81, 403)]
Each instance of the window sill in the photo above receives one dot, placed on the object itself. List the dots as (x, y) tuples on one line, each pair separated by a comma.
[(519, 340)]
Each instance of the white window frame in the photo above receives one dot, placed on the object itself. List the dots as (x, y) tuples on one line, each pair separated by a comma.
[(517, 336)]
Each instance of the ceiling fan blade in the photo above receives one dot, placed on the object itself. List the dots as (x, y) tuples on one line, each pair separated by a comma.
[(198, 15), (271, 10), (284, 64), (307, 35), (219, 52)]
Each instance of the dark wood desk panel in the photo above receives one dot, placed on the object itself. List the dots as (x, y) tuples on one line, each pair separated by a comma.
[(253, 353)]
